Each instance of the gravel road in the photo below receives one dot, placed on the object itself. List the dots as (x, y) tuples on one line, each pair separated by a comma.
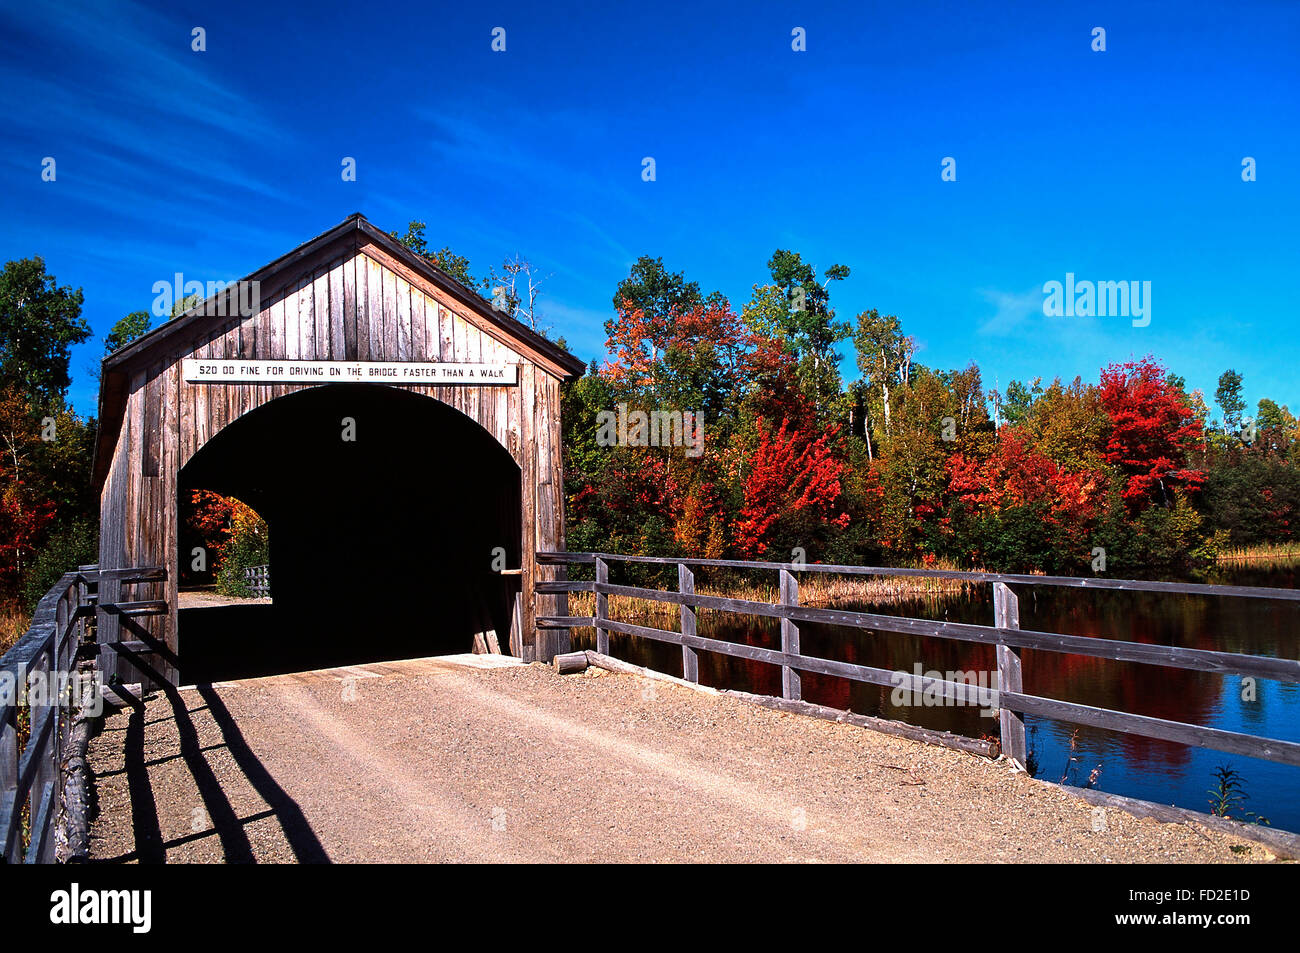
[(432, 760)]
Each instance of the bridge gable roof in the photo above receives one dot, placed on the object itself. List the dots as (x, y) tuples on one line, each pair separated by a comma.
[(355, 235)]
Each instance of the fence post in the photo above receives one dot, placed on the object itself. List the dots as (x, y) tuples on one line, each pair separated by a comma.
[(790, 681), (58, 671), (690, 659), (602, 607), (1006, 615), (9, 755)]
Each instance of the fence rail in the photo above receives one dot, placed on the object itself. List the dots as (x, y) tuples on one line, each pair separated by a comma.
[(31, 777), (1004, 634), (35, 723), (258, 580)]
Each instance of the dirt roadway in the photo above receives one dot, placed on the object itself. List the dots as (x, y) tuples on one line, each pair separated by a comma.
[(433, 761)]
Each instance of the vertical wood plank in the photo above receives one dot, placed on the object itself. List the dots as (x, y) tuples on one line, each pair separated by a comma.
[(170, 556), (1006, 615), (402, 319), (375, 311), (363, 307), (349, 322), (419, 344), (602, 607), (391, 291), (320, 298), (447, 335), (263, 340), (535, 642), (276, 312), (306, 321), (337, 326), (791, 687), (690, 660)]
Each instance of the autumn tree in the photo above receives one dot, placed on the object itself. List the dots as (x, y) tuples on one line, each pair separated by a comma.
[(1152, 432), (790, 494), (1067, 424)]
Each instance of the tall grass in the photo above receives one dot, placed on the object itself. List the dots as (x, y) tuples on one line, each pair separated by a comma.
[(13, 623), (1263, 554), (819, 590)]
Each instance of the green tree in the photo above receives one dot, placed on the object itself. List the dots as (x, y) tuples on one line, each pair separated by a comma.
[(127, 330), (1019, 400), (1230, 401), (807, 322), (39, 324), (653, 289), (885, 360), (445, 260)]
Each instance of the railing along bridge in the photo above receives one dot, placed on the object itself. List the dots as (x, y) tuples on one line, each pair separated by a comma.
[(1004, 634)]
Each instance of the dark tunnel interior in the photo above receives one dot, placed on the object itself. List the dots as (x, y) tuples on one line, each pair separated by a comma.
[(381, 546)]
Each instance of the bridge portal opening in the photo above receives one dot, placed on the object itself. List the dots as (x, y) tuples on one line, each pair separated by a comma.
[(224, 547), (390, 515)]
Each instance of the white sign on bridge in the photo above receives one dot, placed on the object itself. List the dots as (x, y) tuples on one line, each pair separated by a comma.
[(232, 371)]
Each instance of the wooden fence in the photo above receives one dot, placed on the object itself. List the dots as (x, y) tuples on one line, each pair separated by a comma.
[(1005, 634), (258, 580), (34, 724), (31, 777)]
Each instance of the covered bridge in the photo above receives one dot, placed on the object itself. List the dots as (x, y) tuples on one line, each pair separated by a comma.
[(399, 435)]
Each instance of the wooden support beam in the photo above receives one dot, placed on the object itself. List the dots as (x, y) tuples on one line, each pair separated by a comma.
[(602, 607), (1006, 615), (791, 684), (690, 660)]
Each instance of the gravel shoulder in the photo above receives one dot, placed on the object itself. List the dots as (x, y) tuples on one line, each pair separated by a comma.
[(431, 760)]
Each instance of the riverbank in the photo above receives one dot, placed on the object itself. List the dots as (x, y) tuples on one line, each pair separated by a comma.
[(1260, 556)]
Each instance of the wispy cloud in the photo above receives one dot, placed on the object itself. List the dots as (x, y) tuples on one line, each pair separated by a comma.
[(1011, 310)]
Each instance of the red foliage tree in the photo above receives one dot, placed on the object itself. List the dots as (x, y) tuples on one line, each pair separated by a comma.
[(23, 522), (642, 345), (789, 475), (1153, 431), (1017, 475)]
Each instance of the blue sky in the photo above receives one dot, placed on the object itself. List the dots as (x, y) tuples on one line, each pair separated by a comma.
[(1122, 165)]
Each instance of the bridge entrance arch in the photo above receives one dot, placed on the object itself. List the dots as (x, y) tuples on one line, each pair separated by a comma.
[(390, 516), (454, 453)]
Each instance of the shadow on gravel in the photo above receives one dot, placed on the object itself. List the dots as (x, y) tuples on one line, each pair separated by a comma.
[(220, 814), (302, 839)]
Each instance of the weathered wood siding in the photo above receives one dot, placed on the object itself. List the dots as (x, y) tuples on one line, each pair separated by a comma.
[(348, 301)]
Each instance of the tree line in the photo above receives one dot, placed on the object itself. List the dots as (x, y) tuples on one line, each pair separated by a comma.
[(1134, 475)]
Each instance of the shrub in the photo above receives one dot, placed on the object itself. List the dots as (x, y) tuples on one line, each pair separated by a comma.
[(248, 545), (77, 544)]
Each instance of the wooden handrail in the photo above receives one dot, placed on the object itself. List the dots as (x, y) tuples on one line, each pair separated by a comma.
[(1075, 582), (1005, 634), (31, 775)]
